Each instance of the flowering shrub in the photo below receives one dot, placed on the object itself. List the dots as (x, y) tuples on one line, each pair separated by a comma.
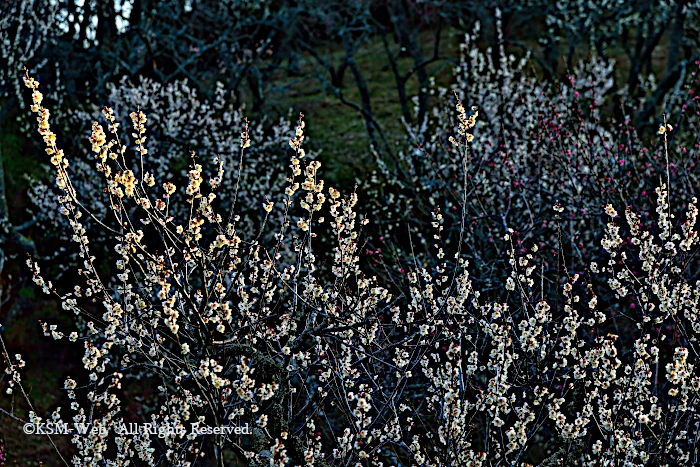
[(541, 144), (180, 127), (25, 27), (330, 365)]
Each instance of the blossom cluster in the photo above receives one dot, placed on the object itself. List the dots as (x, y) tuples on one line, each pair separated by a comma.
[(180, 126)]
